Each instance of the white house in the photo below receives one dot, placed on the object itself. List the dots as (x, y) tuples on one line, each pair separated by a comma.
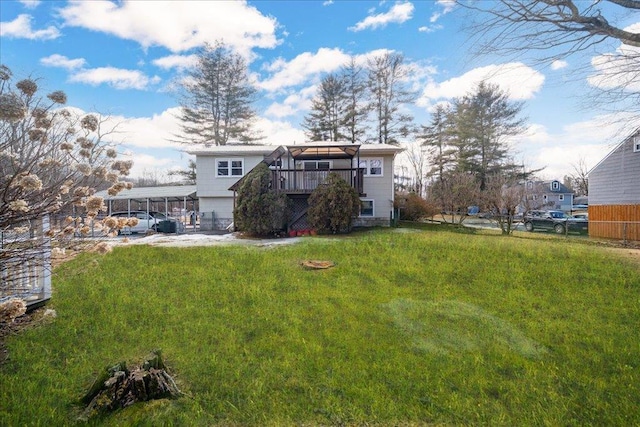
[(297, 170)]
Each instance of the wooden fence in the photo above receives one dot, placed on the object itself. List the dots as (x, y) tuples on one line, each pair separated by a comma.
[(25, 264), (620, 222)]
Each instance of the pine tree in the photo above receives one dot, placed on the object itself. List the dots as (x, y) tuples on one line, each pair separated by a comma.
[(216, 103), (484, 122), (324, 121)]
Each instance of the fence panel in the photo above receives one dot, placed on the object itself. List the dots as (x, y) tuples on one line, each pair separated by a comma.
[(620, 222)]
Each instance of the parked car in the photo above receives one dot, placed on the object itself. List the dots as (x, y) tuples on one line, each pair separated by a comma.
[(557, 221), (152, 220)]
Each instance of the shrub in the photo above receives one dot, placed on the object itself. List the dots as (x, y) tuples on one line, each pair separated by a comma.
[(259, 210), (413, 207), (333, 205)]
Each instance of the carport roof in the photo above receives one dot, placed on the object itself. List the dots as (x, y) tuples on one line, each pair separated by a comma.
[(154, 194)]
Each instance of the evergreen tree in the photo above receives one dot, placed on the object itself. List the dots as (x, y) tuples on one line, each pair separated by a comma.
[(484, 121), (217, 98), (259, 210), (437, 138), (324, 121)]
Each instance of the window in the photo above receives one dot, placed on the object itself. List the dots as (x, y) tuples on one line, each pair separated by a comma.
[(544, 197), (319, 165), (561, 197), (372, 167), (366, 207), (229, 167), (636, 144), (555, 186)]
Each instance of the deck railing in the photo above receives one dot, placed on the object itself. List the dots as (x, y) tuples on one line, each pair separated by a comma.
[(305, 181)]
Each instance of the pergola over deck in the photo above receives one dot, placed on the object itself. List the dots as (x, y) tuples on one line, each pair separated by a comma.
[(289, 178), (148, 195)]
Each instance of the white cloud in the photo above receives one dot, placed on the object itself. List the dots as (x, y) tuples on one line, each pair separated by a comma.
[(327, 3), (279, 132), (588, 141), (62, 61), (302, 67), (430, 29), (293, 104), (20, 28), (617, 70), (116, 77), (149, 132), (447, 5), (180, 62), (520, 81), (559, 64), (399, 13), (178, 26), (30, 4)]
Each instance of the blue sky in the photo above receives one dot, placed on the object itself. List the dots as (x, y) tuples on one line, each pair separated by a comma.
[(124, 58)]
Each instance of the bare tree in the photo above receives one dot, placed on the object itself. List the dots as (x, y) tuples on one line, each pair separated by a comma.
[(387, 87), (415, 154), (580, 178), (454, 194), (217, 98), (552, 30)]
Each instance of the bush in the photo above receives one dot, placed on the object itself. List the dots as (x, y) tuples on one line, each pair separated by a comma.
[(413, 207), (333, 205), (259, 210)]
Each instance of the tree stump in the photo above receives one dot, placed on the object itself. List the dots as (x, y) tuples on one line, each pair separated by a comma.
[(118, 387), (317, 265)]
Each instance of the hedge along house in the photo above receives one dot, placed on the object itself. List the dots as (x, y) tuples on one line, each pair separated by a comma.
[(296, 171), (614, 192)]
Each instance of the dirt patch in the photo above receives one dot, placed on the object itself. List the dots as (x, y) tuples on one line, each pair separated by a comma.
[(629, 253)]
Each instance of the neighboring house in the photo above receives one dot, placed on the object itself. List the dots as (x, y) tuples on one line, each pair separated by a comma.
[(552, 195), (297, 170), (614, 192)]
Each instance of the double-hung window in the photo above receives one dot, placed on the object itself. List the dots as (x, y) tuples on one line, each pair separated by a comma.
[(229, 167), (366, 207), (372, 167), (636, 144)]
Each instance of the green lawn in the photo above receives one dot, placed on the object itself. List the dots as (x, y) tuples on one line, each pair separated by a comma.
[(411, 327)]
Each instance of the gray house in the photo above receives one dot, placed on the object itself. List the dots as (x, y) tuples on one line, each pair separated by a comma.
[(548, 195), (614, 192)]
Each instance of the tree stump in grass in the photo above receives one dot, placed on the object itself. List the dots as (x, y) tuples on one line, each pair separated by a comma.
[(118, 387), (317, 265)]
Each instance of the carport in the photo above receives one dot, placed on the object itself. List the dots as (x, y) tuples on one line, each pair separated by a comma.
[(160, 199)]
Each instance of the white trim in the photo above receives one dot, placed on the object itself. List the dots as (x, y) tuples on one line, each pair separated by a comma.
[(365, 162), (636, 144), (561, 197), (373, 208), (230, 167)]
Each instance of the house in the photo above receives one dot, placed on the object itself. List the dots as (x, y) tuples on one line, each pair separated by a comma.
[(552, 195), (296, 170), (614, 192)]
